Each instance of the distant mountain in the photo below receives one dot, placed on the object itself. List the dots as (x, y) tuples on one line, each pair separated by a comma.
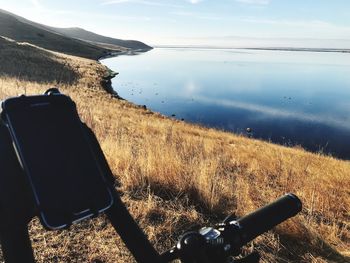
[(72, 41), (14, 28), (79, 33)]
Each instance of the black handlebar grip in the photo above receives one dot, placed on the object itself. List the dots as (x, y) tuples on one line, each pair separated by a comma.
[(267, 217)]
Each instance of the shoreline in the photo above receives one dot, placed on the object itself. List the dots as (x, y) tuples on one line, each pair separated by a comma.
[(106, 80), (106, 83)]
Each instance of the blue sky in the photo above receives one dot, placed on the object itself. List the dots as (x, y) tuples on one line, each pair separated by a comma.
[(226, 23)]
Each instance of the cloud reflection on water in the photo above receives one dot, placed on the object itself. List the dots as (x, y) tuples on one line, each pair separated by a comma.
[(277, 112)]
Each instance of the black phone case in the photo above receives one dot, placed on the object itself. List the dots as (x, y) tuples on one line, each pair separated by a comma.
[(90, 139)]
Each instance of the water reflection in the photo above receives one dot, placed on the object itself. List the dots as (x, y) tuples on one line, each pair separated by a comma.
[(286, 97)]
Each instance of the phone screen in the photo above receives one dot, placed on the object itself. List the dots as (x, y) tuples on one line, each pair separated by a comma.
[(67, 181)]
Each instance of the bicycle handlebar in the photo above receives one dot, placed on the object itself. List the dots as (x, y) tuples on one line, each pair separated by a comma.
[(265, 218), (226, 239)]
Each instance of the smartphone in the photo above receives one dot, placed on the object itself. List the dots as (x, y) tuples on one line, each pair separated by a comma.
[(67, 182)]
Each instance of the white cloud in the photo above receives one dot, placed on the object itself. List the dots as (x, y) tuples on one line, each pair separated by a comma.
[(146, 2), (205, 16), (116, 2), (194, 1), (254, 2), (142, 2), (36, 3)]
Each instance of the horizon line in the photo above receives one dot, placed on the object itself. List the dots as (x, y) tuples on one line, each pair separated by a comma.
[(277, 48)]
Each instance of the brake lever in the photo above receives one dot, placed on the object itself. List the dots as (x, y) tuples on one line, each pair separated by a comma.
[(253, 257), (229, 218)]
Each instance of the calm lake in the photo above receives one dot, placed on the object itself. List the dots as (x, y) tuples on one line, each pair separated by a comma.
[(287, 97)]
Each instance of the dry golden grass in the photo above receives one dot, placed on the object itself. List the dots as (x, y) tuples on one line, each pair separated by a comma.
[(173, 175)]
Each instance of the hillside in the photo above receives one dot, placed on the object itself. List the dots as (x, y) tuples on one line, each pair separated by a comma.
[(173, 175), (56, 70), (74, 41), (12, 27), (82, 34)]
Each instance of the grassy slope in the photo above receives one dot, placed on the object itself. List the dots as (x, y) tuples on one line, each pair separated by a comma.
[(80, 33), (173, 175), (13, 27)]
